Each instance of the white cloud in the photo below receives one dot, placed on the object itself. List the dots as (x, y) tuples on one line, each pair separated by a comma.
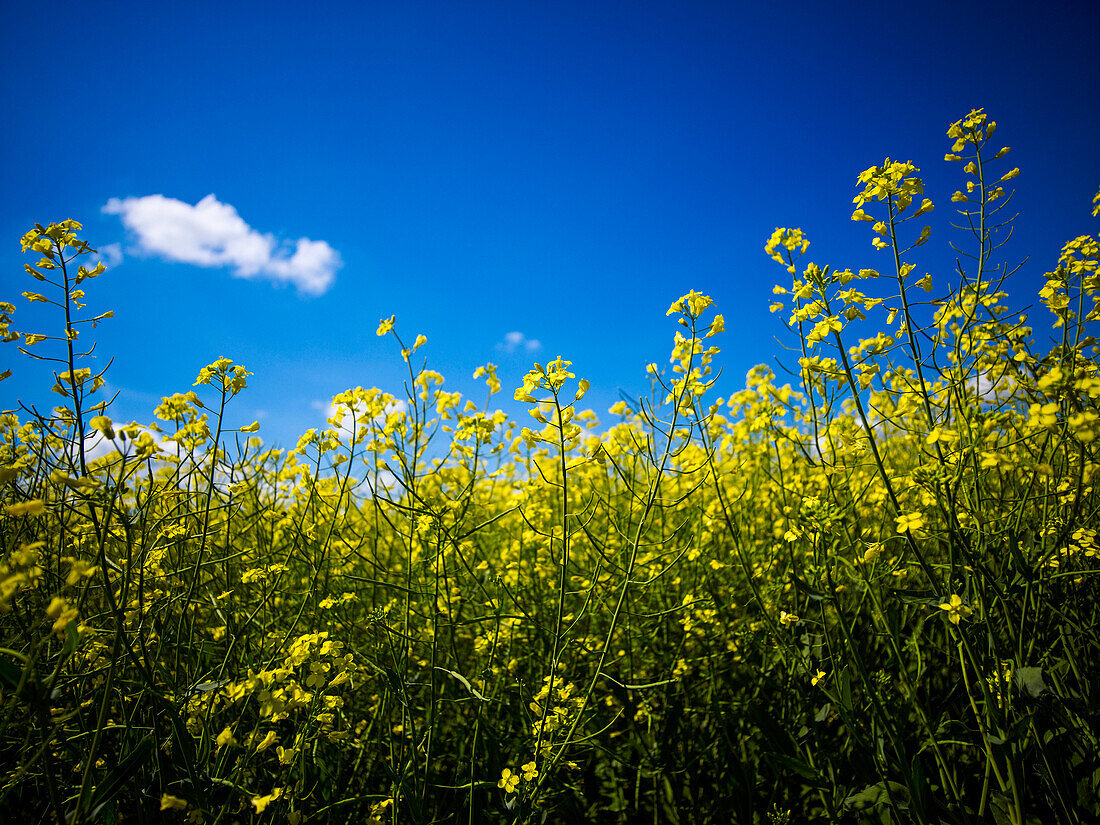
[(518, 341), (212, 234), (384, 483), (110, 254), (988, 387)]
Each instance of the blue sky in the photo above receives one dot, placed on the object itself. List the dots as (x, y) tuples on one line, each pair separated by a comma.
[(554, 171)]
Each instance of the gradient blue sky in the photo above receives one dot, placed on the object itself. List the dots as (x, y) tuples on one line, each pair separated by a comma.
[(558, 170)]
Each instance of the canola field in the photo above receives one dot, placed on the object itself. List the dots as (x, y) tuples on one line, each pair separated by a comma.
[(865, 592)]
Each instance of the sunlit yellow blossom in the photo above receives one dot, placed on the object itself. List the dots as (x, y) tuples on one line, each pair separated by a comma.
[(79, 569), (790, 239), (693, 304), (62, 613), (172, 803), (956, 610), (873, 551), (260, 803), (508, 781), (33, 507), (910, 522), (103, 425), (286, 755)]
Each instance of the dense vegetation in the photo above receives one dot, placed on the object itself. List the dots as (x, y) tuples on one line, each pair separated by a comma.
[(870, 596)]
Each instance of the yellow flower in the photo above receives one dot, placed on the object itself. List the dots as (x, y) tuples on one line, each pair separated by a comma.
[(925, 206), (223, 375), (33, 507), (267, 742), (696, 304), (889, 182), (385, 325), (817, 677), (956, 610), (508, 780), (261, 802), (78, 569), (172, 803), (910, 522), (226, 737), (790, 239), (62, 613), (874, 550), (530, 771), (103, 424), (786, 618)]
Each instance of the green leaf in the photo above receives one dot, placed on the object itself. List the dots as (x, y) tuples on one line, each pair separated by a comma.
[(816, 595), (115, 781), (206, 687), (844, 688), (1002, 809), (922, 595), (184, 741), (72, 638), (792, 765), (1030, 680), (465, 682), (10, 674), (878, 795)]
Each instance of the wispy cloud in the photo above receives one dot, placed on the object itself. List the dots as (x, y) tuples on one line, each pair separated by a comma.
[(212, 234), (110, 254), (518, 341)]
